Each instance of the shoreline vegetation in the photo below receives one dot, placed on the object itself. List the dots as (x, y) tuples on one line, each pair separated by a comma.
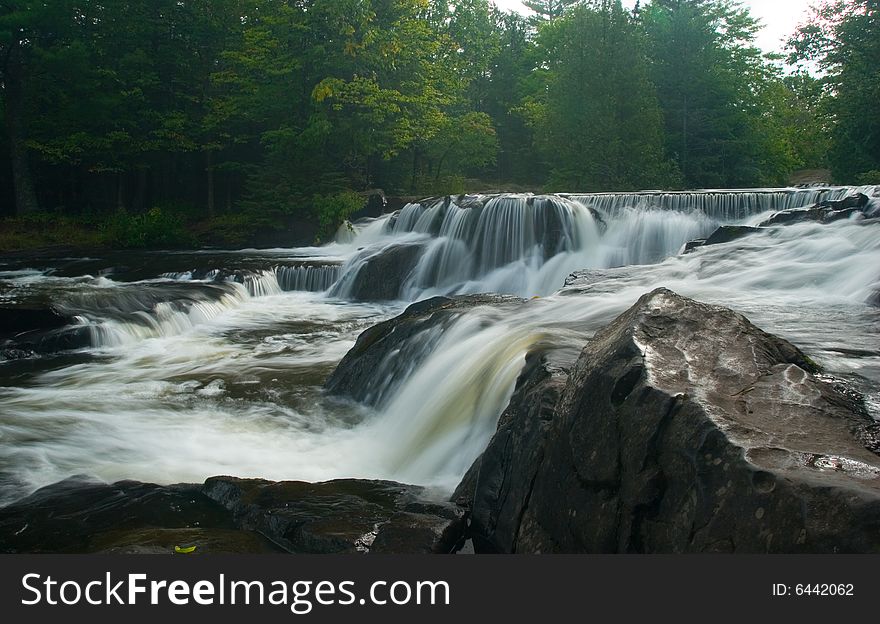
[(170, 228), (181, 124)]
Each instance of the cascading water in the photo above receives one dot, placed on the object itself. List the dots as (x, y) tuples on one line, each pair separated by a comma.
[(204, 370), (526, 245)]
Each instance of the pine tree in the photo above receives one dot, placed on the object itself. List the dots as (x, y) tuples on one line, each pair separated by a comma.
[(708, 72), (844, 38), (600, 125), (549, 10)]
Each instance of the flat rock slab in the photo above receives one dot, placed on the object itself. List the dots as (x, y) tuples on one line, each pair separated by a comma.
[(80, 515), (230, 515), (341, 516)]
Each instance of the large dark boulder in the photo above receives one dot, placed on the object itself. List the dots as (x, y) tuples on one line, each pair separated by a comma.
[(32, 328), (342, 516), (381, 275), (19, 319), (681, 427)]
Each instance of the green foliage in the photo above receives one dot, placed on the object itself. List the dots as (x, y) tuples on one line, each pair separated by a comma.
[(333, 209), (42, 230), (548, 10), (599, 123), (251, 114), (869, 177), (230, 230), (844, 39), (154, 228), (710, 78)]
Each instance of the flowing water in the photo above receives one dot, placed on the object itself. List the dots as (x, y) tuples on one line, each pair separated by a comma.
[(187, 365)]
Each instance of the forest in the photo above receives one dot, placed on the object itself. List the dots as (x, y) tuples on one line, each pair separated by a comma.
[(128, 122)]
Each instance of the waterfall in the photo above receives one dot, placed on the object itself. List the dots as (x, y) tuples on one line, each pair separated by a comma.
[(723, 205), (217, 366), (526, 245), (311, 278), (166, 318)]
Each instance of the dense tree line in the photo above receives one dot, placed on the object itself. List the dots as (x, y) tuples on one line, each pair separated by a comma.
[(289, 106)]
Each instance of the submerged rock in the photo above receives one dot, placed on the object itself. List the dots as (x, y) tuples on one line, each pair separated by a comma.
[(383, 353), (824, 212), (724, 234), (31, 327), (682, 427), (25, 318)]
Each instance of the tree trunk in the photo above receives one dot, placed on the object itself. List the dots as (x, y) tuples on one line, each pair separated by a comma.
[(684, 141), (74, 195), (209, 170), (140, 194), (415, 170), (22, 181), (440, 168), (120, 190)]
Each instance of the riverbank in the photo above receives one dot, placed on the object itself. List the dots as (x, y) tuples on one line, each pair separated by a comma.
[(45, 232), (174, 227)]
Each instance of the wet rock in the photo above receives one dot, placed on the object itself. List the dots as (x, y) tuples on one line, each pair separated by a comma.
[(680, 428), (381, 277), (824, 212), (729, 233), (69, 338), (157, 541), (20, 319), (230, 515), (498, 486), (31, 328), (694, 244), (342, 516), (81, 515), (724, 234), (580, 281), (874, 298), (384, 353), (396, 202)]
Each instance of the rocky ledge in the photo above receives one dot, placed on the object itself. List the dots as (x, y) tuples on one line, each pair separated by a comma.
[(681, 427), (388, 350), (858, 206), (230, 515)]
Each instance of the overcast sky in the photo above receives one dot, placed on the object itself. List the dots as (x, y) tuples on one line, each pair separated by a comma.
[(779, 17)]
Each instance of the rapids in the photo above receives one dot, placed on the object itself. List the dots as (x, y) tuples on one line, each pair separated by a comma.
[(205, 363)]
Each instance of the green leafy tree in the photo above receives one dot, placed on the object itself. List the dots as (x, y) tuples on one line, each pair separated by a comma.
[(512, 81), (26, 28), (599, 126), (843, 37), (709, 75)]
